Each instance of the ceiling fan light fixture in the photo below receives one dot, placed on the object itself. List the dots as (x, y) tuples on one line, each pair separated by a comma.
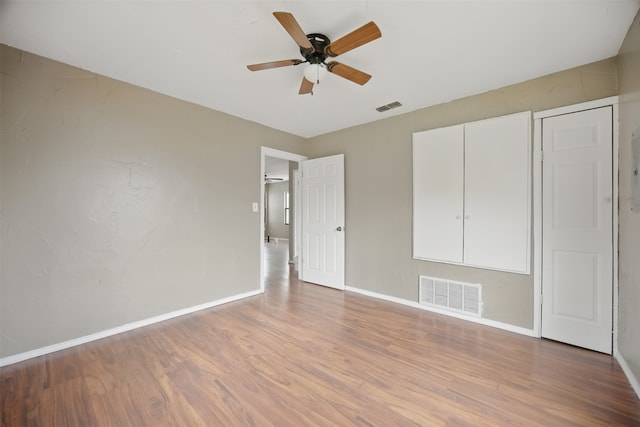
[(315, 72)]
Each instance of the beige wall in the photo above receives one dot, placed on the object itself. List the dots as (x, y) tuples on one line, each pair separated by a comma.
[(275, 218), (116, 203), (378, 188), (629, 237), (103, 183)]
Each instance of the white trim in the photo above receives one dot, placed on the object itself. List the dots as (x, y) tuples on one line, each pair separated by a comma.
[(270, 152), (297, 219), (568, 109), (537, 230), (616, 213), (119, 329), (480, 320), (537, 204), (635, 384)]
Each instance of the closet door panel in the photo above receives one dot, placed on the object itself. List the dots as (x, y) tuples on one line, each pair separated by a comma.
[(497, 193), (438, 180)]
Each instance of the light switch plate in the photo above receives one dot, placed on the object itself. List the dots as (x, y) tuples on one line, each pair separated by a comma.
[(254, 206)]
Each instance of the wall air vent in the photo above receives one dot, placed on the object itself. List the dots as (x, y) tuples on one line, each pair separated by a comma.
[(389, 106), (451, 295)]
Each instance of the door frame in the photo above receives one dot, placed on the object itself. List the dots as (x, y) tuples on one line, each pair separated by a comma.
[(537, 205), (264, 153)]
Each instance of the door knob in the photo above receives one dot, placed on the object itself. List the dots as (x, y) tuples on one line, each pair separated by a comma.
[(339, 229)]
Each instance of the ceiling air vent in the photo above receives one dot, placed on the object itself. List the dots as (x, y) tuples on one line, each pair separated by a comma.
[(387, 107)]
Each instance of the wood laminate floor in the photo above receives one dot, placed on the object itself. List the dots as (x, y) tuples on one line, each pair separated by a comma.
[(305, 355)]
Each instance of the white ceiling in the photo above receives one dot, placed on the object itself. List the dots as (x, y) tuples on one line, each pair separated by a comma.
[(430, 51)]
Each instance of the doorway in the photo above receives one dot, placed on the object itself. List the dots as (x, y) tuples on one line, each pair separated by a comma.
[(275, 168)]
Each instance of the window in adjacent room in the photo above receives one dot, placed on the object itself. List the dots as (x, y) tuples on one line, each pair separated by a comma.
[(286, 208)]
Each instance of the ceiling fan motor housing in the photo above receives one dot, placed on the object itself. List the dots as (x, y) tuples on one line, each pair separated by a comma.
[(319, 43)]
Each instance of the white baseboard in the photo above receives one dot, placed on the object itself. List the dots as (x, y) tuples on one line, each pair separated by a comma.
[(124, 328), (635, 384), (480, 320)]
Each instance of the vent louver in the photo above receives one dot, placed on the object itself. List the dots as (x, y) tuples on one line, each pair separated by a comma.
[(451, 295), (389, 106)]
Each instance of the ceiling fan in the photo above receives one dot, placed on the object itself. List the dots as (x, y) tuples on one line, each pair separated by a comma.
[(316, 48), (269, 179)]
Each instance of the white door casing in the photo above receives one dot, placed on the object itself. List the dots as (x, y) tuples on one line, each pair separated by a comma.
[(323, 235), (297, 229), (577, 228), (264, 153)]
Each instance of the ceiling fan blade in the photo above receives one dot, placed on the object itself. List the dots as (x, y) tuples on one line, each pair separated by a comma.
[(305, 87), (363, 35), (293, 28), (348, 73), (274, 64)]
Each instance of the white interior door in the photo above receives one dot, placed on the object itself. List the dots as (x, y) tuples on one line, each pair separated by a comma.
[(323, 221), (577, 229)]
